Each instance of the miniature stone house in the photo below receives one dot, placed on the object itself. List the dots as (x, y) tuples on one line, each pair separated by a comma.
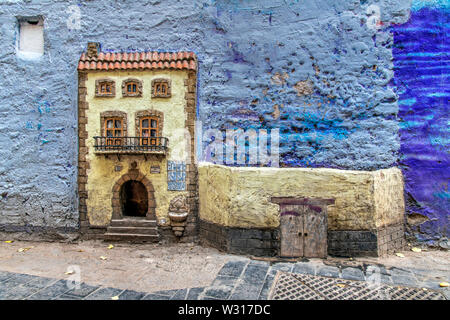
[(136, 148)]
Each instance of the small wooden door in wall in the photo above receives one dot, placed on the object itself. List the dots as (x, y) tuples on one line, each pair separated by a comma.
[(315, 225), (303, 224), (291, 223)]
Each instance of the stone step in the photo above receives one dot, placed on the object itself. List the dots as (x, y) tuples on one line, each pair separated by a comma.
[(133, 230), (130, 237), (142, 223)]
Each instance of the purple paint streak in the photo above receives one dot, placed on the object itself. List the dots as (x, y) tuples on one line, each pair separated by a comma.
[(421, 59)]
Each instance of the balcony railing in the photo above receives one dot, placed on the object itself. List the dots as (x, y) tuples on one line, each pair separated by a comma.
[(130, 145)]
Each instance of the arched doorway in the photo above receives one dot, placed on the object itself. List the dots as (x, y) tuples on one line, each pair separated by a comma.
[(119, 193), (133, 199)]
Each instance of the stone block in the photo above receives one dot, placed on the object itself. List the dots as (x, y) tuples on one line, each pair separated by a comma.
[(352, 274), (328, 271)]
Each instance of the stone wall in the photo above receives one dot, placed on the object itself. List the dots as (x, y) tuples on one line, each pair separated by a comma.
[(240, 197), (236, 214), (314, 69), (255, 242)]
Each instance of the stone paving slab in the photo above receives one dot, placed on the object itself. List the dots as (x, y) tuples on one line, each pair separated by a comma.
[(329, 271), (352, 274), (240, 279), (152, 296), (194, 293), (180, 295), (233, 268), (5, 275), (83, 290), (51, 292), (303, 267)]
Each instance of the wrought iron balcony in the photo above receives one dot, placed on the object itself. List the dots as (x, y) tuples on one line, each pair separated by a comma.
[(131, 145)]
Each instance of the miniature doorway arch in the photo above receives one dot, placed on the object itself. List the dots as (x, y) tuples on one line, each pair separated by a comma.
[(138, 181)]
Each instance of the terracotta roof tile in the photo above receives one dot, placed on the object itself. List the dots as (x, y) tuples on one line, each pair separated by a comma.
[(138, 61)]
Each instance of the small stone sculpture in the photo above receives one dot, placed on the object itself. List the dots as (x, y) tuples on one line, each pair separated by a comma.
[(178, 212)]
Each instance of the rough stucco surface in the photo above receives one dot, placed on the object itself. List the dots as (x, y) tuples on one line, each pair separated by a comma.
[(421, 62), (102, 175), (240, 197), (388, 196), (345, 117)]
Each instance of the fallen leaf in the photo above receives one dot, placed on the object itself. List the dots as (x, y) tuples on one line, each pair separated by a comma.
[(416, 249), (80, 250), (110, 246), (401, 255), (103, 258), (9, 241), (443, 284), (115, 298)]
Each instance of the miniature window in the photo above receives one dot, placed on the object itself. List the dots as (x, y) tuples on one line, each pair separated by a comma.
[(149, 131), (161, 88), (132, 88), (114, 131), (105, 88), (31, 37)]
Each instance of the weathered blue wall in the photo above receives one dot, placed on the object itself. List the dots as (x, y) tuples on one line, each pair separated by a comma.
[(253, 58), (422, 74)]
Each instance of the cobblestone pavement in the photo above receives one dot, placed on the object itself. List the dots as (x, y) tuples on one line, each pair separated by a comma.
[(239, 279)]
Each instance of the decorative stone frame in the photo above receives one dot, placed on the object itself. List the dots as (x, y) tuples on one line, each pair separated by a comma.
[(113, 114), (135, 175), (83, 161), (169, 88), (139, 88), (149, 113), (190, 84), (99, 82)]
